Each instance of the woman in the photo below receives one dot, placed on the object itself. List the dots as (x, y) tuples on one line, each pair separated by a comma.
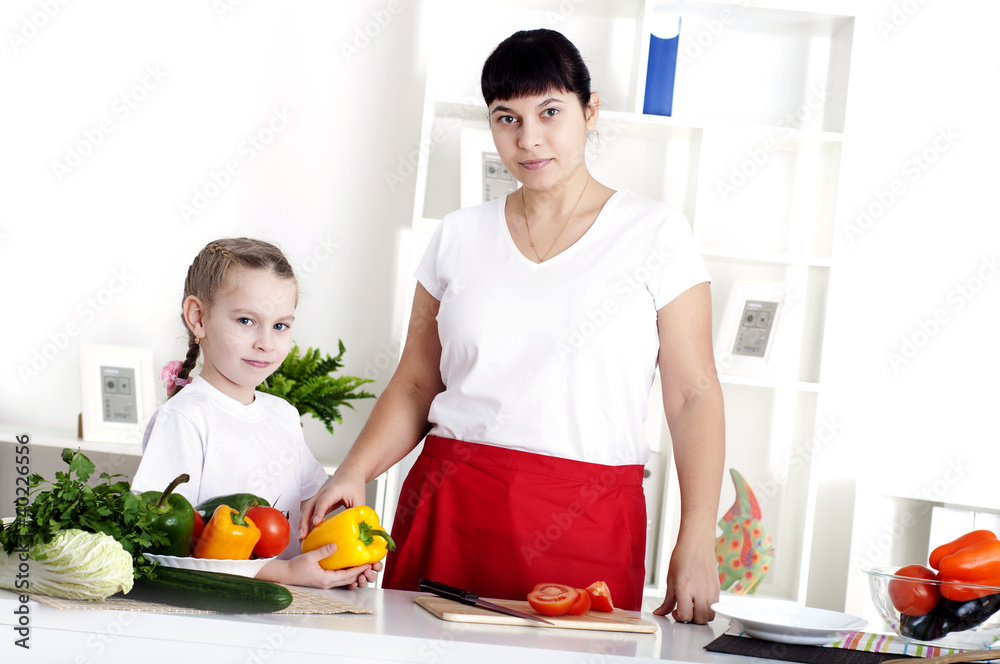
[(537, 325)]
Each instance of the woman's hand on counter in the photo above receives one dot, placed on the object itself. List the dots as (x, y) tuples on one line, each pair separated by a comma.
[(692, 583), (304, 570)]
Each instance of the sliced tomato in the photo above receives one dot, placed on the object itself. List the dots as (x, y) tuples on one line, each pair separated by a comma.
[(600, 597), (912, 597), (581, 605), (552, 599)]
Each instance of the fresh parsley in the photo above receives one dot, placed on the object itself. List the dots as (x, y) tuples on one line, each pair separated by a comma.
[(107, 507)]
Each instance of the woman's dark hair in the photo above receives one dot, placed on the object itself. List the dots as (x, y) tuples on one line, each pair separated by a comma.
[(531, 62)]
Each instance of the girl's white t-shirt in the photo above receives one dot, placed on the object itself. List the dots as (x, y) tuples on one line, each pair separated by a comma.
[(228, 447), (555, 358)]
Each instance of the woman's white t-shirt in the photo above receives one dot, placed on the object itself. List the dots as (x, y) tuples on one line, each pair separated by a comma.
[(555, 358)]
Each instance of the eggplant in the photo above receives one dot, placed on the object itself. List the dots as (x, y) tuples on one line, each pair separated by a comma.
[(972, 613), (949, 616), (927, 627)]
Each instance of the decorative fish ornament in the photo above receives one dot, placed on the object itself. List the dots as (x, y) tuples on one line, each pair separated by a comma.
[(744, 550)]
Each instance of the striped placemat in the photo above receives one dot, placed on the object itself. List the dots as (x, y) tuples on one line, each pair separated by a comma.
[(897, 645)]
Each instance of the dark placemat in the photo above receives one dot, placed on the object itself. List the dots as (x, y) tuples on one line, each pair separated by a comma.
[(741, 645)]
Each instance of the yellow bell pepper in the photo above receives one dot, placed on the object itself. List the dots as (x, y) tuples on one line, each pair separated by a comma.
[(230, 535), (357, 534)]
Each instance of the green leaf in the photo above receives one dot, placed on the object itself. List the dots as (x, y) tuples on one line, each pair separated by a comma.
[(79, 464), (305, 380)]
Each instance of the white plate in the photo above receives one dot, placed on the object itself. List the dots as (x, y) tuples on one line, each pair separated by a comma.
[(787, 622), (238, 567)]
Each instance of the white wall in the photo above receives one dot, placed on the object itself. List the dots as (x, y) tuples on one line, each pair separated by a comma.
[(923, 424), (98, 253)]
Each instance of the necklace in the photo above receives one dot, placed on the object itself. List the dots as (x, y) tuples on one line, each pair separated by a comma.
[(559, 234)]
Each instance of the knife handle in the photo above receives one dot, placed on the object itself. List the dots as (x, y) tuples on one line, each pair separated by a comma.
[(449, 592)]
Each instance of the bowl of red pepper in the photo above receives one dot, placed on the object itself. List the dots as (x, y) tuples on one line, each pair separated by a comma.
[(953, 601)]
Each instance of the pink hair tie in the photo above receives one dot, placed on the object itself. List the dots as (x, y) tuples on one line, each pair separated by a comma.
[(168, 374)]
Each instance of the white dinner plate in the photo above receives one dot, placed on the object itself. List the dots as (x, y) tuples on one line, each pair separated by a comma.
[(238, 567), (787, 622)]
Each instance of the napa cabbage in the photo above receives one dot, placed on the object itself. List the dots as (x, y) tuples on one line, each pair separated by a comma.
[(73, 565)]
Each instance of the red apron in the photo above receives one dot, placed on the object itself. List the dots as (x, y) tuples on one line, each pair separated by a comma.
[(497, 521)]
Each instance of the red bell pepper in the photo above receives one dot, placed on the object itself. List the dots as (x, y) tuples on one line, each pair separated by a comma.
[(971, 562), (956, 544)]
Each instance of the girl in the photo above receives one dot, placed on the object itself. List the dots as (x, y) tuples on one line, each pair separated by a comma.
[(239, 306), (538, 324)]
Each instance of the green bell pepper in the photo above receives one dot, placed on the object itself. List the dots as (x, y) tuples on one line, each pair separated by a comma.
[(235, 500), (174, 517)]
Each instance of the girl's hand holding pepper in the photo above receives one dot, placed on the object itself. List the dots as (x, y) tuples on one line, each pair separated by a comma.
[(304, 570)]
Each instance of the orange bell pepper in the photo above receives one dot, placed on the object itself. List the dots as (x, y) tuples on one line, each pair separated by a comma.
[(230, 535), (357, 534)]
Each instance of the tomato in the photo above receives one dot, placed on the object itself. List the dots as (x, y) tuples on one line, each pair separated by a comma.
[(600, 597), (552, 599), (275, 531), (581, 605), (199, 525), (913, 598)]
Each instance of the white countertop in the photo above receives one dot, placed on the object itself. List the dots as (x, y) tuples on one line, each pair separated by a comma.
[(400, 631)]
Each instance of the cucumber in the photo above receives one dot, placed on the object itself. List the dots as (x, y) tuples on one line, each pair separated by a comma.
[(235, 500), (211, 591)]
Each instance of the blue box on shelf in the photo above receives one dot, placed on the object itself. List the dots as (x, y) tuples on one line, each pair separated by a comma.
[(660, 71)]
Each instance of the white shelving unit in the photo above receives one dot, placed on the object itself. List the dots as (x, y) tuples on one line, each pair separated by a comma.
[(751, 155)]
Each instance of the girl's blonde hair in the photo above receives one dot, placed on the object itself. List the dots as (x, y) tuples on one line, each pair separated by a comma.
[(209, 274)]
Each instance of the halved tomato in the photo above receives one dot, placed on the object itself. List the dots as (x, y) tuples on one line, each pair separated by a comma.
[(600, 597), (581, 605), (552, 599)]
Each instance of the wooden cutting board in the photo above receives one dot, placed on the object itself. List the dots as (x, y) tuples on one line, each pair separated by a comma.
[(618, 621)]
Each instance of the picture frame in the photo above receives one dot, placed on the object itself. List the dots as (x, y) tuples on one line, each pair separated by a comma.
[(761, 329), (483, 175), (117, 392)]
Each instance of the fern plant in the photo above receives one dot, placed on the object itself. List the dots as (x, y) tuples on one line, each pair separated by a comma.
[(306, 382)]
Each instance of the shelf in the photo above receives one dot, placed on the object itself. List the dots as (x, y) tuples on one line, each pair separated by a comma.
[(473, 109), (773, 65), (770, 199), (776, 258), (770, 383), (62, 438), (785, 134)]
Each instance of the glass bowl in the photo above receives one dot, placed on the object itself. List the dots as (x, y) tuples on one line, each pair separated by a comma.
[(969, 624)]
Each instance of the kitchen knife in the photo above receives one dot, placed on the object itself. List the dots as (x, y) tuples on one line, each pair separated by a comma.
[(472, 599)]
